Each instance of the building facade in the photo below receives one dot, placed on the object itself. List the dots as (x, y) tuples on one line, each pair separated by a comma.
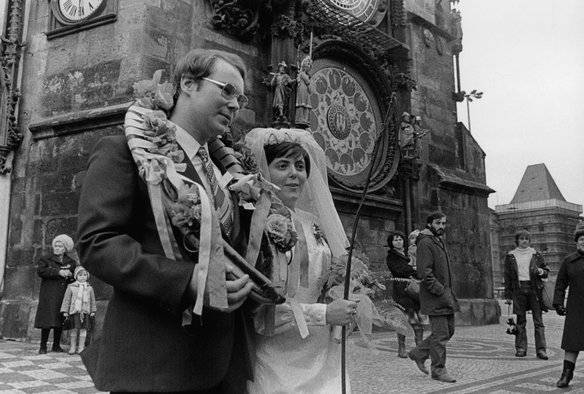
[(373, 60), (540, 208)]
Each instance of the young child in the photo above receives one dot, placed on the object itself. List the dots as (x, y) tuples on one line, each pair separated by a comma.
[(79, 304)]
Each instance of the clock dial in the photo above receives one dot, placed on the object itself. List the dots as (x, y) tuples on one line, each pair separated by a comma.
[(362, 9), (78, 10)]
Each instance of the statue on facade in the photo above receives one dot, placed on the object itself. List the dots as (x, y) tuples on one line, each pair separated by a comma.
[(410, 133), (303, 107), (281, 82)]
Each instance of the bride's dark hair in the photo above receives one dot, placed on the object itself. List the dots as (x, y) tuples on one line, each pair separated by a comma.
[(286, 149)]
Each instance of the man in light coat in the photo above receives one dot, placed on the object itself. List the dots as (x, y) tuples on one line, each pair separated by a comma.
[(437, 300)]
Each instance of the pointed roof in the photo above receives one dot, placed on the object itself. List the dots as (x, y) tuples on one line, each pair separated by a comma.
[(537, 184)]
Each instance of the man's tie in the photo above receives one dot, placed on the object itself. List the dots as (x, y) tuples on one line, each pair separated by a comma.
[(219, 198)]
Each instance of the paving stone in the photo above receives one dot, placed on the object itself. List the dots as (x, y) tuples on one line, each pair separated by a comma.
[(480, 358)]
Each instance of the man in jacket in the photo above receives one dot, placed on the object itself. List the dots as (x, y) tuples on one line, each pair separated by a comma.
[(437, 299), (145, 346), (524, 271)]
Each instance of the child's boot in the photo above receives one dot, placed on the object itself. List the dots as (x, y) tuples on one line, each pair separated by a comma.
[(82, 335), (73, 340)]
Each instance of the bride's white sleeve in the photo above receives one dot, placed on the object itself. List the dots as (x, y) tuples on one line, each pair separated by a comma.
[(284, 320)]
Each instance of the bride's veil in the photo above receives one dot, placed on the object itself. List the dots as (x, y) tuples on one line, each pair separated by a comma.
[(316, 197)]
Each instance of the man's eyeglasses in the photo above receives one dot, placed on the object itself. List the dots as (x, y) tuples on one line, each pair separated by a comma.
[(228, 91)]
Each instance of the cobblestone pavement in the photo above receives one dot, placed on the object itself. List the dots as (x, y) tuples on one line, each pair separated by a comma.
[(481, 358)]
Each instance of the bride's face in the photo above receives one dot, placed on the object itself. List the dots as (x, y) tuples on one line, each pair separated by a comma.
[(288, 173)]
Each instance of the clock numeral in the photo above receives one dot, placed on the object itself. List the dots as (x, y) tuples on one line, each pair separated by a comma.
[(67, 5), (81, 11), (73, 10), (91, 6)]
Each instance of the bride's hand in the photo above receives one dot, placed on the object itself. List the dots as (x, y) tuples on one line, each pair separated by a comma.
[(341, 312)]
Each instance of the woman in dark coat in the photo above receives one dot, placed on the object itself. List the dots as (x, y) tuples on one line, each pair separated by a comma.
[(399, 265), (571, 275), (56, 272)]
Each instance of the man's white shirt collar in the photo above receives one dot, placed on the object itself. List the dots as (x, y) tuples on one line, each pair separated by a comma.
[(189, 144)]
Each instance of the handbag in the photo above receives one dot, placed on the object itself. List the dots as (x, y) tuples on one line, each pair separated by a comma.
[(413, 288), (68, 323)]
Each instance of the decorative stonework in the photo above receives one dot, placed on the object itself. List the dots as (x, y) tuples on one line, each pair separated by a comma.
[(346, 120), (10, 47), (398, 18), (284, 26), (352, 97), (237, 17)]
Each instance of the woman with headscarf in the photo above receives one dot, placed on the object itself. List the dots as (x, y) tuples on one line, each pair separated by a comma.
[(56, 272), (296, 351), (571, 274)]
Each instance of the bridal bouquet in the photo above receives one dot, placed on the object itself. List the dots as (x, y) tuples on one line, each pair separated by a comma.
[(364, 286), (272, 231)]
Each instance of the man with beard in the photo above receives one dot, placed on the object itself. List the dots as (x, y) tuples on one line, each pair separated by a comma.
[(436, 297)]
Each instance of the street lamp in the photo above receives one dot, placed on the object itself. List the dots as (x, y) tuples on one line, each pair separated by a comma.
[(469, 98)]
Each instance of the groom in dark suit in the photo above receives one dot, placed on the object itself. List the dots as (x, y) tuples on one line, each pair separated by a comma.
[(144, 346)]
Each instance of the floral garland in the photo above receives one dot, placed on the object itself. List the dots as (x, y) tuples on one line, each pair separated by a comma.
[(178, 201)]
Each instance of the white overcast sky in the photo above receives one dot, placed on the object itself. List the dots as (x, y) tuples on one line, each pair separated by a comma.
[(527, 56)]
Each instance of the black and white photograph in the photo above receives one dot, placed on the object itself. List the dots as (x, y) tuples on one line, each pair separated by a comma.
[(291, 196)]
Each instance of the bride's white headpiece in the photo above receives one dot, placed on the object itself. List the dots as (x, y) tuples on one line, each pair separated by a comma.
[(316, 197)]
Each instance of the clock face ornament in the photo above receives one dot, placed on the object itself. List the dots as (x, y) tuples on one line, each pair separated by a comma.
[(362, 9), (345, 120), (73, 11)]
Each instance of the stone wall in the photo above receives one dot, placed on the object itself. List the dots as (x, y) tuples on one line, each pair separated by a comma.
[(69, 83), (76, 86), (453, 175)]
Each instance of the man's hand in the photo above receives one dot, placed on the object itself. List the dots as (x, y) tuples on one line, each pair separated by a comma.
[(237, 289), (65, 273), (540, 271), (341, 312), (65, 314)]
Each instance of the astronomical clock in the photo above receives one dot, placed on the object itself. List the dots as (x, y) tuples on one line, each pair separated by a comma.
[(347, 116), (371, 11)]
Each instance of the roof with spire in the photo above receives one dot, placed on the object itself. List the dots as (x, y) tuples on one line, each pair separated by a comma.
[(537, 184)]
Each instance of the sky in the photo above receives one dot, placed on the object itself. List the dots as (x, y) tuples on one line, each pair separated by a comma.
[(527, 56)]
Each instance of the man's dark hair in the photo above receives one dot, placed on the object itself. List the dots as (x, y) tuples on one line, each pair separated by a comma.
[(396, 234), (199, 63), (433, 216), (522, 233), (287, 149)]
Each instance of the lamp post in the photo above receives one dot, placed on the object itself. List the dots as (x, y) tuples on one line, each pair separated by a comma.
[(469, 98)]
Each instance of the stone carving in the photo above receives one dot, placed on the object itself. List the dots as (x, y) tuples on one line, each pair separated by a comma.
[(456, 31), (303, 91), (398, 18), (284, 26), (409, 135), (10, 47), (237, 17), (428, 38), (281, 82)]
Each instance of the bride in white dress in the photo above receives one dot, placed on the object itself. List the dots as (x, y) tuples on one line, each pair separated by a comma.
[(297, 353)]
